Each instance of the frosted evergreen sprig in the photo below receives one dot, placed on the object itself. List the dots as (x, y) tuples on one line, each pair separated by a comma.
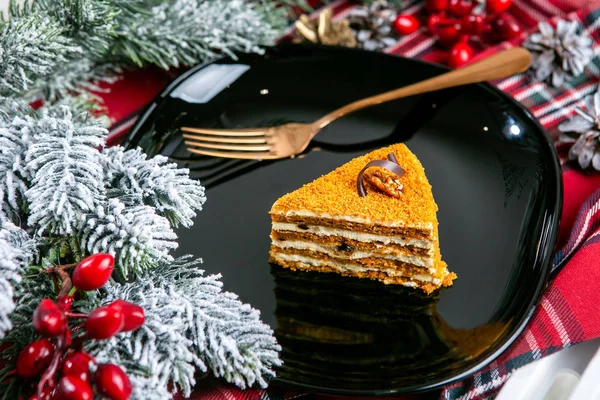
[(31, 46), (52, 48), (15, 137), (91, 23), (137, 180), (83, 76), (191, 325), (67, 176), (185, 32), (137, 237), (16, 250)]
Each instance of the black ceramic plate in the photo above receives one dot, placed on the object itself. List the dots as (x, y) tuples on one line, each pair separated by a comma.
[(495, 178)]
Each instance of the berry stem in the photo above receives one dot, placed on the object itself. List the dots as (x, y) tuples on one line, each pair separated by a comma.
[(76, 315), (50, 372), (60, 272), (67, 284), (53, 270)]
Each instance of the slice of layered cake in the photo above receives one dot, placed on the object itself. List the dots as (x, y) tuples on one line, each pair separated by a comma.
[(374, 217)]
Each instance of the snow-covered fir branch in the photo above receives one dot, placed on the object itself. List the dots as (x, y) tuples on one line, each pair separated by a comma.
[(16, 250), (137, 180), (191, 325), (51, 166), (91, 23), (53, 48), (31, 46), (185, 32), (137, 237), (64, 162), (15, 137), (71, 80)]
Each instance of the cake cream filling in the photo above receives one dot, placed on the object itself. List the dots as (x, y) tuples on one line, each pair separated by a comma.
[(355, 268), (420, 261), (358, 236), (392, 224)]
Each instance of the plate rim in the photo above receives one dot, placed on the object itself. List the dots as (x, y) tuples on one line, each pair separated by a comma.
[(549, 237)]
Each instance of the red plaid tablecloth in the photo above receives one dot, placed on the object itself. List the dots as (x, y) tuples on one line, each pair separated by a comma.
[(569, 311)]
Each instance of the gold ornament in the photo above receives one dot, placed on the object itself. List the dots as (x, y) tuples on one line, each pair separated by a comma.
[(325, 31)]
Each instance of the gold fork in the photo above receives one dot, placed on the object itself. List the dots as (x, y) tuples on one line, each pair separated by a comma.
[(291, 139)]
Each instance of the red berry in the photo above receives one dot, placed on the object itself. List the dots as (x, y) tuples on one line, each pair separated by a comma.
[(72, 388), (93, 272), (64, 302), (460, 54), (48, 319), (34, 358), (45, 395), (460, 7), (406, 24), (497, 6), (473, 24), (505, 27), (78, 365), (133, 315), (435, 6), (434, 20), (449, 35), (112, 382), (104, 322)]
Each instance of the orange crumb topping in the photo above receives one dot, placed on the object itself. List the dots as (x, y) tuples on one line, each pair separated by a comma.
[(335, 193)]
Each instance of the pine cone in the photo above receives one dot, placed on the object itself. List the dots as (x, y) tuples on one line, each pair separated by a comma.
[(325, 30), (559, 53), (583, 131), (373, 25)]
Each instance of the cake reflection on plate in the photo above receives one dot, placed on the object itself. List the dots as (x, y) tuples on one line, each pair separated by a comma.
[(340, 330)]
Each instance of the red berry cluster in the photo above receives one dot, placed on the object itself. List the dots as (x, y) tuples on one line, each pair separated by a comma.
[(456, 22), (67, 372)]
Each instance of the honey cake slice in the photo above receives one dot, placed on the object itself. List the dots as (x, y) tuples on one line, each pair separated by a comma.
[(389, 232)]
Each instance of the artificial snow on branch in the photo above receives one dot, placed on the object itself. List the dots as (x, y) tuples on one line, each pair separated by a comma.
[(31, 46), (91, 23), (16, 250), (53, 48), (79, 77), (191, 325), (137, 237), (15, 136), (184, 32), (137, 180), (67, 174)]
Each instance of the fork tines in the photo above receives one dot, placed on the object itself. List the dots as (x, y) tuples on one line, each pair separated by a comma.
[(232, 143)]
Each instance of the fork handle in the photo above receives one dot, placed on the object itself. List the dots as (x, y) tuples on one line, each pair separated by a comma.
[(500, 65)]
